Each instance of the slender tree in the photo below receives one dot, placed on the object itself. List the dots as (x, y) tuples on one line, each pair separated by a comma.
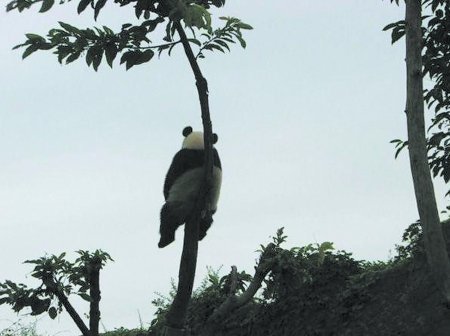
[(435, 247), (133, 42)]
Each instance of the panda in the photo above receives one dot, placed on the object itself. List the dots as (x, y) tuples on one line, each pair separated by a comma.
[(182, 185)]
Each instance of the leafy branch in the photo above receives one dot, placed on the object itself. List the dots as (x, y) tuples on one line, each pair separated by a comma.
[(436, 59), (59, 279), (219, 38), (132, 41)]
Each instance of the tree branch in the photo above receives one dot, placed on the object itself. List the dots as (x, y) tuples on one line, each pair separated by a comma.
[(233, 302), (53, 287), (15, 5), (176, 316)]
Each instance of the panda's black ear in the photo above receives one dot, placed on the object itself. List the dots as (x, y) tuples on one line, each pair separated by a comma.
[(187, 130), (215, 138)]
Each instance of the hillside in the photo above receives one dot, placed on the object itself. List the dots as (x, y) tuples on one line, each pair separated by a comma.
[(340, 296)]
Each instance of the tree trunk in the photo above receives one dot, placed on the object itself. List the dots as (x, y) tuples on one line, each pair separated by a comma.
[(94, 292), (435, 247), (176, 315)]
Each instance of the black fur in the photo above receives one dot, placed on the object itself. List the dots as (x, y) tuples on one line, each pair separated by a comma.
[(184, 160), (176, 213)]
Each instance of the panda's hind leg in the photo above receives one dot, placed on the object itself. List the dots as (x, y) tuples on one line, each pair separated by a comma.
[(171, 219)]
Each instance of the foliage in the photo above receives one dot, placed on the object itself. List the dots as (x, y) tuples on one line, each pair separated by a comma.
[(134, 42), (305, 283), (436, 65), (59, 278), (125, 332), (299, 273), (311, 290), (412, 243), (436, 60), (208, 296), (162, 304), (20, 329)]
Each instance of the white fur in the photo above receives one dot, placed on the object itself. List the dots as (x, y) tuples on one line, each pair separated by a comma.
[(194, 140), (186, 187)]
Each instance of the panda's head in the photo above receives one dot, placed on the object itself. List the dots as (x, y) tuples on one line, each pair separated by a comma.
[(194, 140)]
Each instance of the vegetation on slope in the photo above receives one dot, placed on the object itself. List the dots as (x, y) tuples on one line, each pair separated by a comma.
[(315, 290)]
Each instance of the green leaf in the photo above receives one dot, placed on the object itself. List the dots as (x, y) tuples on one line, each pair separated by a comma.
[(73, 57), (243, 25), (85, 296), (223, 44), (162, 48), (400, 23), (31, 49), (46, 5), (135, 57), (110, 53), (145, 56), (69, 28), (97, 58), (82, 5), (63, 52), (34, 37), (241, 41), (152, 24), (397, 34), (94, 56), (400, 147), (90, 56), (108, 31), (195, 41), (197, 16), (215, 46), (21, 45), (326, 246), (98, 6), (52, 313)]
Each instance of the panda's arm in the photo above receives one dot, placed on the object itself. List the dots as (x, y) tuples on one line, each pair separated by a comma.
[(177, 167)]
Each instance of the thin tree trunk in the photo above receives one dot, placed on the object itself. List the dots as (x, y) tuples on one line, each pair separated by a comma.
[(94, 292), (52, 286), (176, 316), (435, 247)]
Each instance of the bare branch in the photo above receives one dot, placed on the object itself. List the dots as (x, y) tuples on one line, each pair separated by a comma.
[(233, 302)]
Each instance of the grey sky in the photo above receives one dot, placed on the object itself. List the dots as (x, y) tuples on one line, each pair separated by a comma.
[(304, 117)]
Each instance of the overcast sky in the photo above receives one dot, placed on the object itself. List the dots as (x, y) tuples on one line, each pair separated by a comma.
[(304, 117)]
